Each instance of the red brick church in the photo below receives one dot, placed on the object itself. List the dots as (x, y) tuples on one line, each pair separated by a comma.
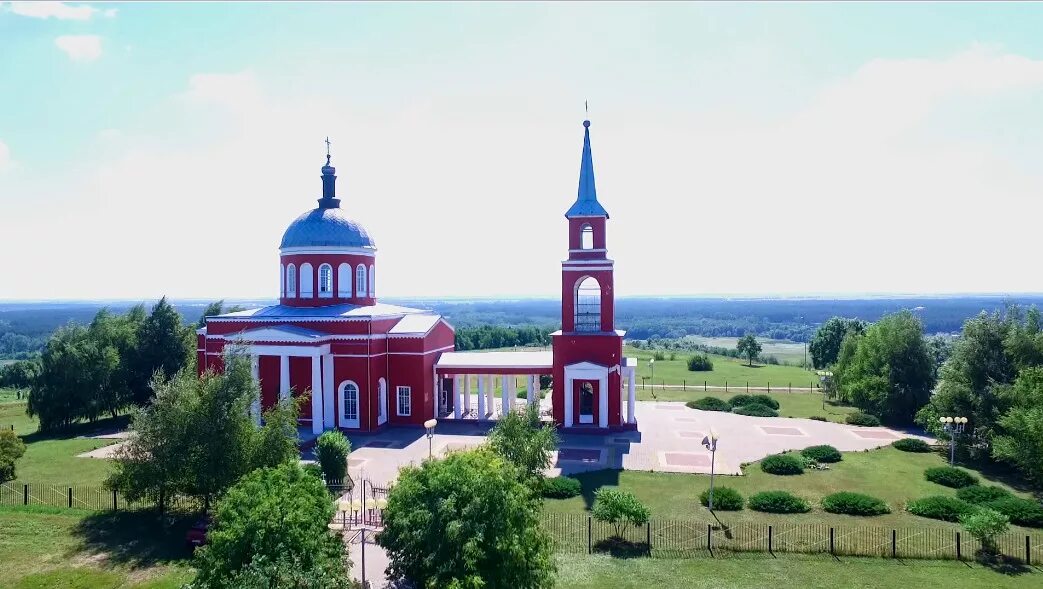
[(363, 365)]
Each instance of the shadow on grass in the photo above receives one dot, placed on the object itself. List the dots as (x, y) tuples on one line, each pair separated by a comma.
[(593, 480), (80, 429), (621, 548), (999, 563), (136, 539)]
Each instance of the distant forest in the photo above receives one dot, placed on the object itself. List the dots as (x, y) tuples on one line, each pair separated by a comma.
[(25, 327)]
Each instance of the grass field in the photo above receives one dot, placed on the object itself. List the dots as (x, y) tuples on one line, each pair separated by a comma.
[(726, 371), (46, 548), (893, 476), (790, 404), (785, 572), (784, 350)]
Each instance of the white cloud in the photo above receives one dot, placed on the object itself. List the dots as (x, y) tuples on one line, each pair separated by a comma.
[(57, 10), (80, 47)]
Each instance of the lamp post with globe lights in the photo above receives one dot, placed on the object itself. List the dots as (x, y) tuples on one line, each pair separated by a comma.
[(710, 442), (953, 426), (429, 425)]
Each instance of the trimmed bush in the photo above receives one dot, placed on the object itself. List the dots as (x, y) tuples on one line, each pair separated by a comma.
[(950, 476), (1022, 512), (782, 464), (862, 419), (778, 502), (724, 499), (981, 494), (755, 410), (766, 400), (331, 450), (850, 503), (700, 363), (818, 418), (911, 445), (561, 487), (740, 400), (823, 453), (941, 507), (709, 404)]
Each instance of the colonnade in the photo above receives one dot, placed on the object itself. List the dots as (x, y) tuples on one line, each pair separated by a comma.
[(486, 387)]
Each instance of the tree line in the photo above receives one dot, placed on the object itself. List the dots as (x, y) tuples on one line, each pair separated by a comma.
[(487, 337)]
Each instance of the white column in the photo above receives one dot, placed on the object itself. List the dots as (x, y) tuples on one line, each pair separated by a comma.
[(482, 387), (603, 393), (530, 389), (255, 407), (437, 395), (506, 389), (489, 394), (567, 395), (467, 394), (456, 395), (329, 393), (631, 397), (316, 396), (284, 377)]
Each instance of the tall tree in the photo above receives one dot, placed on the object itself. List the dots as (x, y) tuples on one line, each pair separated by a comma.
[(272, 530), (523, 440), (748, 346), (1019, 430), (73, 369), (466, 521), (892, 372), (212, 309), (825, 344), (164, 345)]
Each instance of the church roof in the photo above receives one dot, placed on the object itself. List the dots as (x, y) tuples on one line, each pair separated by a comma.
[(326, 225), (414, 324), (586, 204), (343, 311)]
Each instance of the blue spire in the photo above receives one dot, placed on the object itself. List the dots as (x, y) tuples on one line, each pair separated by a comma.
[(586, 204)]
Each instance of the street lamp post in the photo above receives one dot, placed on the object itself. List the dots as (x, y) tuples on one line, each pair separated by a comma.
[(710, 442), (953, 426), (651, 366), (429, 425)]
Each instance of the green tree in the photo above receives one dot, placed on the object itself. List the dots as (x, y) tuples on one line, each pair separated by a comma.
[(1019, 439), (11, 449), (19, 375), (466, 521), (165, 345), (332, 450), (825, 344), (274, 525), (524, 441), (74, 368), (891, 373), (210, 310), (985, 524), (619, 508), (749, 347)]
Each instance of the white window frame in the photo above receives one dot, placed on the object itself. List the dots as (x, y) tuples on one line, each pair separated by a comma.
[(586, 236), (348, 421), (372, 282), (306, 281), (360, 281), (291, 281), (344, 280), (326, 281), (398, 401), (282, 280), (584, 320)]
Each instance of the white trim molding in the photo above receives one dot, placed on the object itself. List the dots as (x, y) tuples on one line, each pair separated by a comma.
[(586, 371), (355, 251)]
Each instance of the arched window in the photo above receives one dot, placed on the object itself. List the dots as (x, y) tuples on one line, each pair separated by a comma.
[(372, 282), (349, 403), (306, 281), (586, 237), (282, 280), (360, 281), (325, 281), (344, 281), (291, 281), (588, 305), (382, 402)]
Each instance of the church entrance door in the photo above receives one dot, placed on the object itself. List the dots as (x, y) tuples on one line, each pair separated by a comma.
[(586, 403)]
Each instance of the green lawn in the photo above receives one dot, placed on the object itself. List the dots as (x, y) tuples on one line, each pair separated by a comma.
[(784, 350), (790, 404), (894, 476), (730, 372), (51, 459), (785, 572), (47, 548)]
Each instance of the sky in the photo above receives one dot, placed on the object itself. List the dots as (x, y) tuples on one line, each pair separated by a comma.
[(758, 149)]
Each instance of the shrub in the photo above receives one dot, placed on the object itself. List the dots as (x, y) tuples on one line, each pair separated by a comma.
[(658, 356), (818, 418), (755, 410), (619, 508), (724, 499), (766, 400), (862, 419), (911, 445), (700, 363), (854, 504), (740, 400), (782, 464), (980, 494), (561, 487), (824, 453), (11, 449), (985, 525), (778, 502), (709, 404), (313, 469), (941, 507), (950, 476), (331, 450), (1022, 512)]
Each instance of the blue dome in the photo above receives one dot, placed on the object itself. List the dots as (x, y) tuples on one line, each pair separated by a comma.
[(325, 227)]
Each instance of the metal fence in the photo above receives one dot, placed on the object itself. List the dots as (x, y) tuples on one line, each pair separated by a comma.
[(687, 539)]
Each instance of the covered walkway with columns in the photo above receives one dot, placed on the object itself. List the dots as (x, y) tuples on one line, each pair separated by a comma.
[(459, 376)]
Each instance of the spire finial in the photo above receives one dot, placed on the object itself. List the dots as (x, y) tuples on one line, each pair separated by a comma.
[(327, 150)]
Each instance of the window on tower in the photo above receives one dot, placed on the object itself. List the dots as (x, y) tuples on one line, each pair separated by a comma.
[(325, 280), (360, 281), (291, 281), (588, 305), (586, 237)]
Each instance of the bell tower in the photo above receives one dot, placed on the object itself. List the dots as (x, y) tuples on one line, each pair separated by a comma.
[(588, 350)]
